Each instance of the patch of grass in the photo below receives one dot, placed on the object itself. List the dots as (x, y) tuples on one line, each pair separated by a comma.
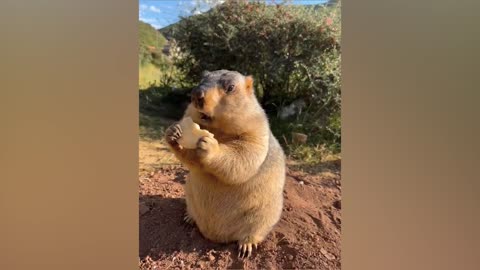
[(164, 101), (148, 75), (323, 139), (153, 150), (308, 155), (152, 127)]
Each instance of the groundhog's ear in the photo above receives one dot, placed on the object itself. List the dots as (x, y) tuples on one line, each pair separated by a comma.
[(249, 84)]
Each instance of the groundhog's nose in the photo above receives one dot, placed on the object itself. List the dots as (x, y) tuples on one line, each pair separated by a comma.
[(198, 97)]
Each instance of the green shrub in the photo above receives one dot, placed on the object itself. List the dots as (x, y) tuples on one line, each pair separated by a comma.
[(293, 52), (281, 46)]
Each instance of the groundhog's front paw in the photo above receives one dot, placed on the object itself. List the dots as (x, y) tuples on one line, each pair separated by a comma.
[(173, 133), (206, 146)]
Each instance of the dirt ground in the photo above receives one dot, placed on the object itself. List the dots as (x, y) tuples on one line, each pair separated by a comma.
[(307, 236)]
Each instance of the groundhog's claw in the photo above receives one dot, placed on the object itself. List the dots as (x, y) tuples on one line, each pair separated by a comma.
[(245, 250), (173, 133), (188, 219)]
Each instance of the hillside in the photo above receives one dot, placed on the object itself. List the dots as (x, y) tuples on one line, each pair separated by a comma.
[(151, 44), (151, 59)]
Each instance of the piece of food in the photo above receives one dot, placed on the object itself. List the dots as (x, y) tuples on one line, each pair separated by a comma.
[(191, 132)]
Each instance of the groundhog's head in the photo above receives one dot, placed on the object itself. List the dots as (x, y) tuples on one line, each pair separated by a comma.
[(224, 101)]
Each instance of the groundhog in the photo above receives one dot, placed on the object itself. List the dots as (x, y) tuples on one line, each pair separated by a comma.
[(234, 190)]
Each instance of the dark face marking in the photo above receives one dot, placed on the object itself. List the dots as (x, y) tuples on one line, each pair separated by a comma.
[(215, 92)]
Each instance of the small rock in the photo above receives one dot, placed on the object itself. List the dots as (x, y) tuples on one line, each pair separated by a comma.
[(211, 257), (299, 138), (301, 182), (326, 254), (143, 208), (290, 257)]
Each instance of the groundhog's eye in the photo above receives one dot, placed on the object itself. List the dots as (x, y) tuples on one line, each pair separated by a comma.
[(230, 88)]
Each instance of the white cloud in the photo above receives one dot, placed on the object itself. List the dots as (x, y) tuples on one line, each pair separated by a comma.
[(149, 20), (143, 7), (156, 25), (154, 9), (153, 22)]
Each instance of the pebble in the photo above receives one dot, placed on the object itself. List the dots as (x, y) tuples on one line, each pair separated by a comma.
[(211, 257), (301, 182), (290, 257), (326, 254)]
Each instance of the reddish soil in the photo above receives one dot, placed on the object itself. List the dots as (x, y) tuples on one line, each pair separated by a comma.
[(307, 236)]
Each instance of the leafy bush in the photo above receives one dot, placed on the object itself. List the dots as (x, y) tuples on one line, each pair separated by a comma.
[(280, 46), (293, 52)]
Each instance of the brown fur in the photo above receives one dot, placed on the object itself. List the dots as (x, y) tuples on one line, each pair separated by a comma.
[(234, 191)]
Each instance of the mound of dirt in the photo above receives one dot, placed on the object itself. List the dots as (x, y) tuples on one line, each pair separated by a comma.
[(307, 236)]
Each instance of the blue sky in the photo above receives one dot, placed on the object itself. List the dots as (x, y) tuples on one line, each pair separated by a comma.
[(160, 13)]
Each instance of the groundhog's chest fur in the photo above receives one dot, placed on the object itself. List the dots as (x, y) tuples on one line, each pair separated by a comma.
[(225, 213)]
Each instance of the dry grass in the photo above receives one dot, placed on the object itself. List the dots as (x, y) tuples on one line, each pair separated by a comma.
[(154, 155), (148, 75), (153, 151)]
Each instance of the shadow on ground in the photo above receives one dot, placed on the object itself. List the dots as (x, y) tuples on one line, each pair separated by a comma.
[(164, 235)]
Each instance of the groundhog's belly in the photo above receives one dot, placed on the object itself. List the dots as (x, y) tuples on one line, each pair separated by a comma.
[(225, 213)]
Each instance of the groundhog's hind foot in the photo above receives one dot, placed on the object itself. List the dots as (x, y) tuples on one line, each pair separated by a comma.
[(245, 249), (188, 220)]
